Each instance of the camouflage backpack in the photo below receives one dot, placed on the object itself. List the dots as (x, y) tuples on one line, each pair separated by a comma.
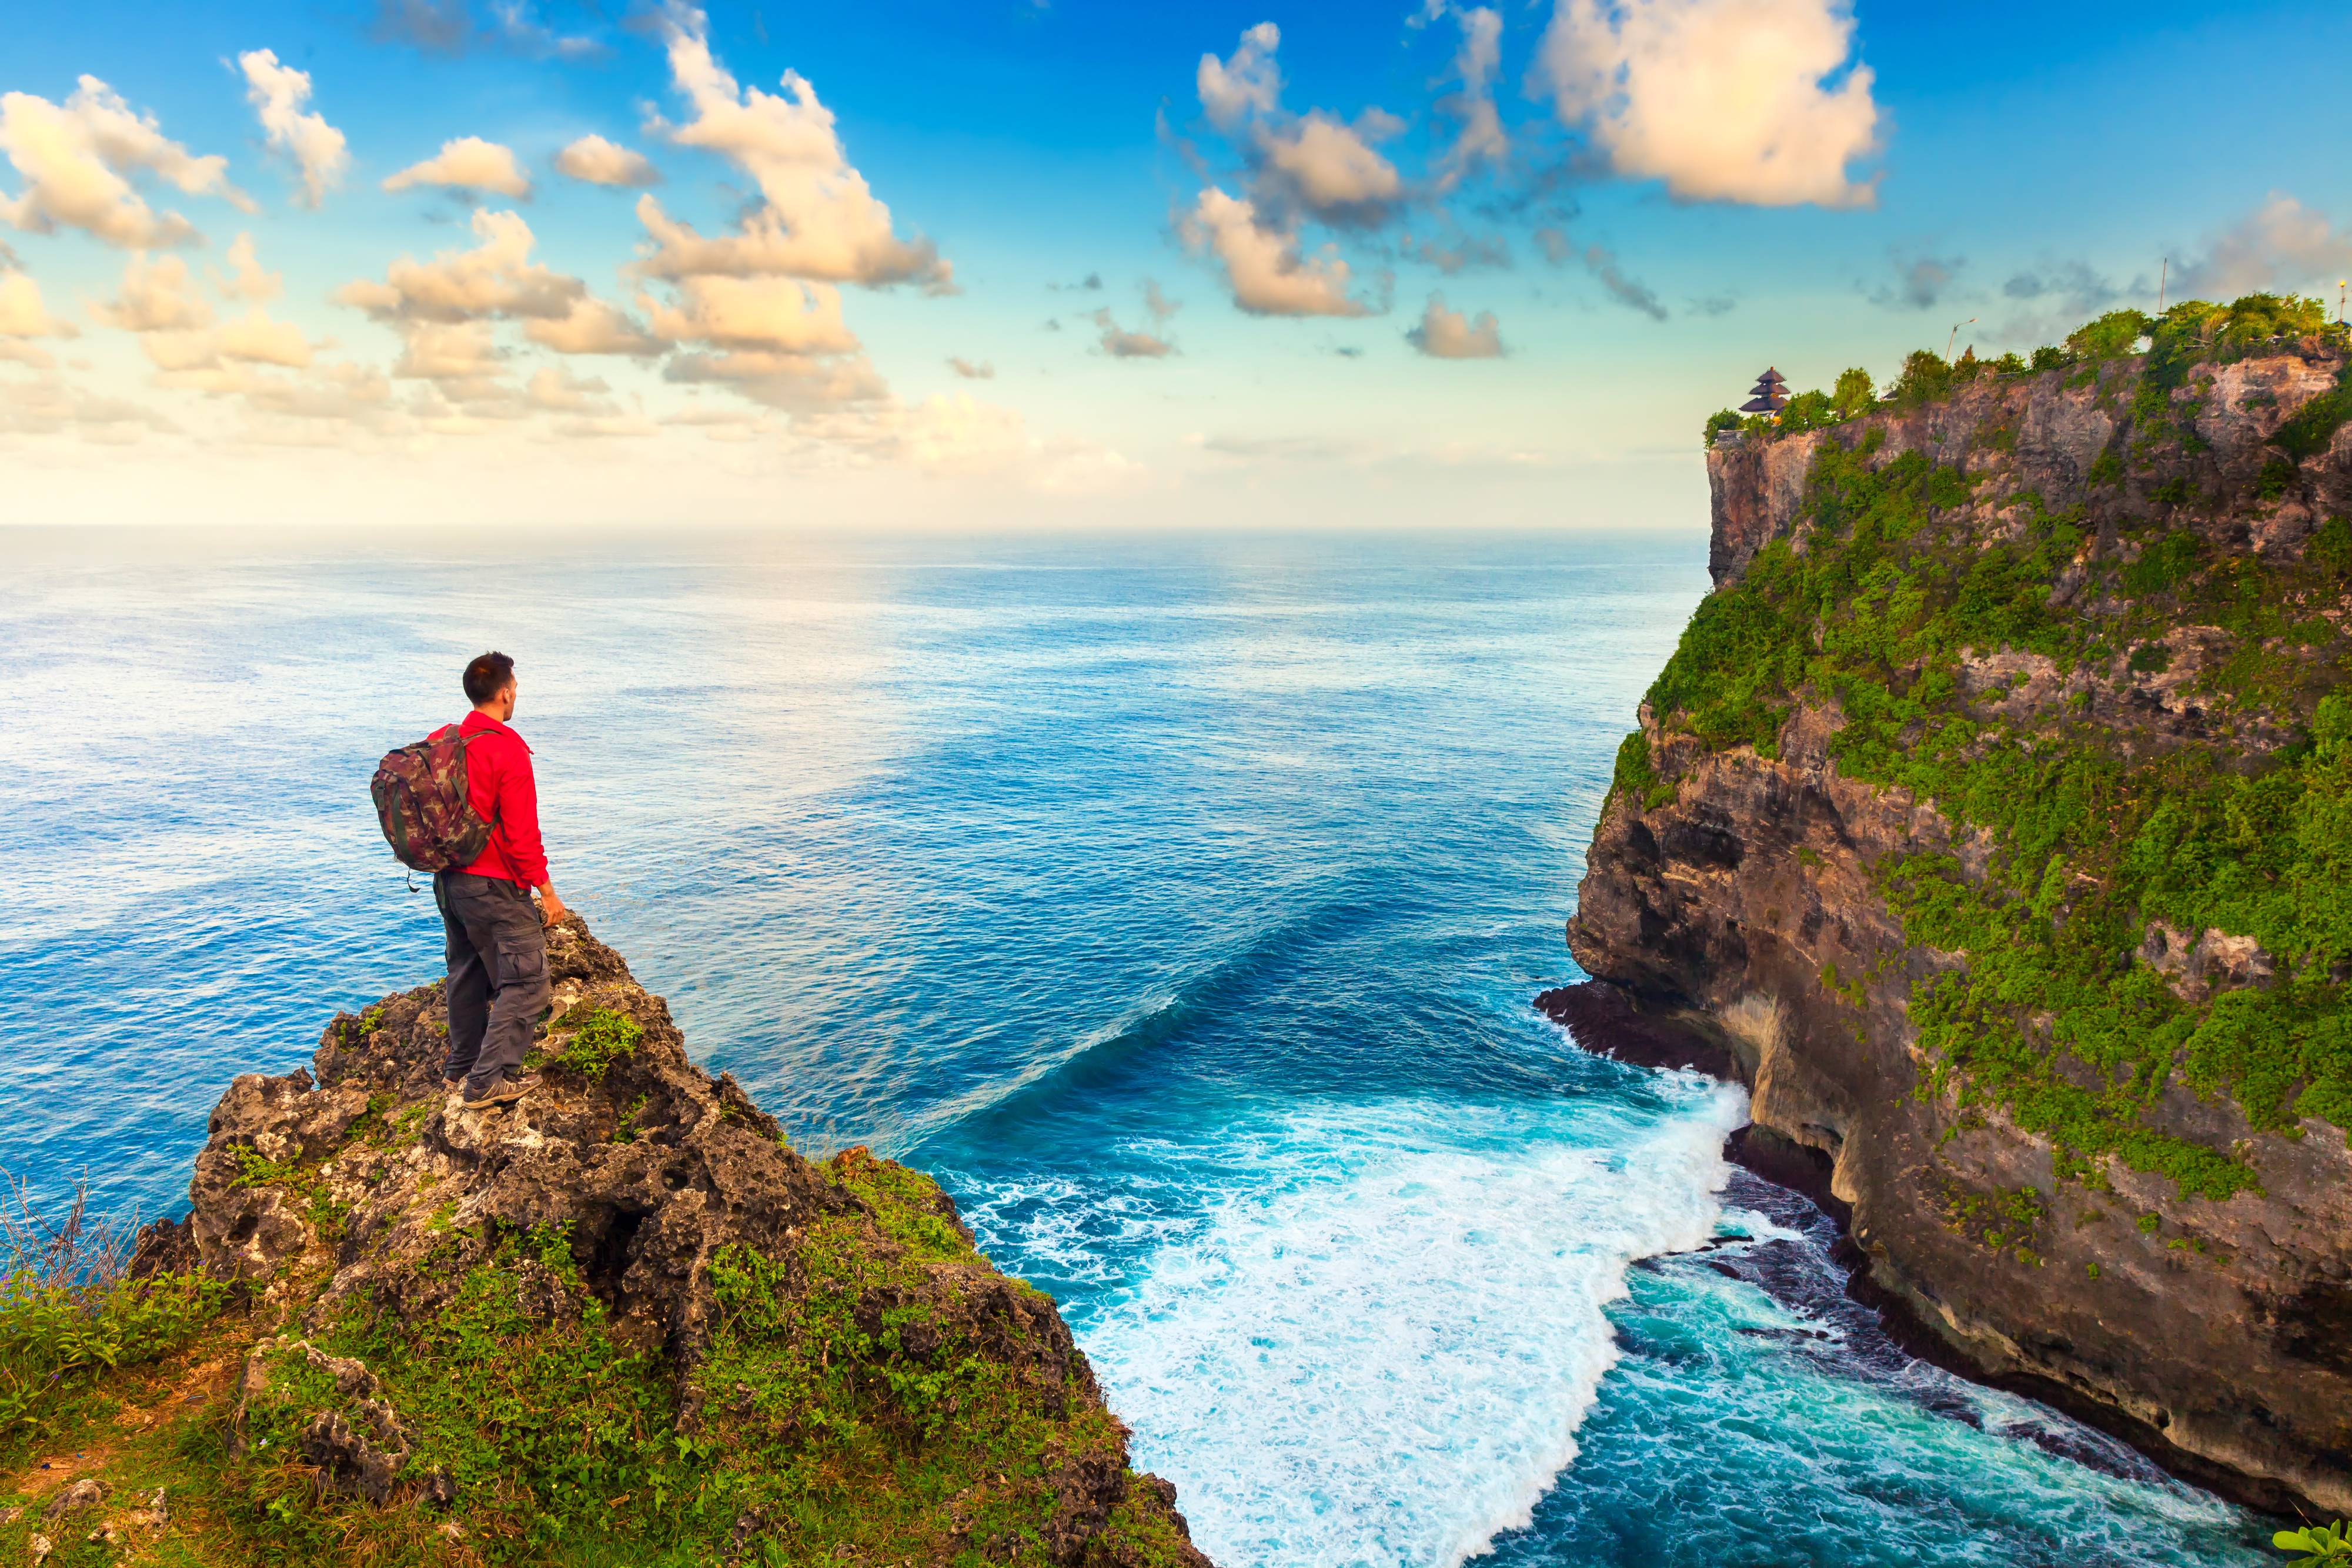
[(421, 802)]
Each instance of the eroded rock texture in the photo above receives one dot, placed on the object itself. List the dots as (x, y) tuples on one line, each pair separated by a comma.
[(2218, 1338), (364, 1190)]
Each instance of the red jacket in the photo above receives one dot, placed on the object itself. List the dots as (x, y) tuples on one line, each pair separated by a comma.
[(500, 783)]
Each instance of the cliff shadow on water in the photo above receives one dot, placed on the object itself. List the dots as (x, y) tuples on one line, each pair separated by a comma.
[(1992, 822)]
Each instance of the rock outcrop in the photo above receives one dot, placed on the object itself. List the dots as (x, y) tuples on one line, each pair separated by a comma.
[(1735, 916), (738, 1323)]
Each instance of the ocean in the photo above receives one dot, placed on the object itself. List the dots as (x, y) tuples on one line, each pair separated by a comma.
[(1177, 903)]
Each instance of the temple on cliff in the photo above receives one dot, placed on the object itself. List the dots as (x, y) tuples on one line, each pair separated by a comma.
[(1769, 395)]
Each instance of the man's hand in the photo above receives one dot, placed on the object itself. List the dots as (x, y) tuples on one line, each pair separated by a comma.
[(550, 908)]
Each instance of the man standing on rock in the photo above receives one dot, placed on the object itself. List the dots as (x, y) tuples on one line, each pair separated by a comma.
[(497, 938)]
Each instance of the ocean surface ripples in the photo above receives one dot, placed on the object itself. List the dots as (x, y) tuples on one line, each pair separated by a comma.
[(1179, 904)]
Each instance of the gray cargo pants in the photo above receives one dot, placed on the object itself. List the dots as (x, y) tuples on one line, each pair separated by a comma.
[(498, 974)]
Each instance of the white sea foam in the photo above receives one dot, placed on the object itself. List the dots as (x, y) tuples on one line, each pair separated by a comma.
[(1375, 1341)]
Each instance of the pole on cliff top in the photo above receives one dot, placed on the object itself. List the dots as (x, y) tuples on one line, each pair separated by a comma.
[(2162, 277), (1956, 335)]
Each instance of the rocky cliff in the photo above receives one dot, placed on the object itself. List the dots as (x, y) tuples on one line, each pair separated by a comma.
[(1993, 822), (620, 1321)]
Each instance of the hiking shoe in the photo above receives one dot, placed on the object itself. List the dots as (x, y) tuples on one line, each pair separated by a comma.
[(506, 1091)]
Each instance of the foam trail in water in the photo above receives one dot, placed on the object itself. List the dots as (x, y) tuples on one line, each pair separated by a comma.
[(1374, 1342)]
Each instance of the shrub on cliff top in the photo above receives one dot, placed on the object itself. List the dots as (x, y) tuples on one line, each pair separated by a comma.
[(1717, 423), (69, 1316), (1853, 394), (1925, 378), (2110, 335), (1808, 411), (2253, 318)]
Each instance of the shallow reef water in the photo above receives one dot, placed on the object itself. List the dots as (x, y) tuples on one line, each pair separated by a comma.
[(1179, 903)]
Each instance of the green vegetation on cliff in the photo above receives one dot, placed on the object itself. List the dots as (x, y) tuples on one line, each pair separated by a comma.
[(2191, 331), (851, 1416), (619, 1323), (845, 1427), (1886, 615)]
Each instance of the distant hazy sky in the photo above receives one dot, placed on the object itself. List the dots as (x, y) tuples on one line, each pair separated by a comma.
[(985, 263)]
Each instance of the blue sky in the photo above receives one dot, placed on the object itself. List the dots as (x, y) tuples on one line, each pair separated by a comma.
[(1345, 269)]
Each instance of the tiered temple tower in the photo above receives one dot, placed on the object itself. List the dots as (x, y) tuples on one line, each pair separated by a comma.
[(1770, 395)]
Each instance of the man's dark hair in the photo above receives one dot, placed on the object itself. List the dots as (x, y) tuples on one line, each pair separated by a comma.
[(486, 677)]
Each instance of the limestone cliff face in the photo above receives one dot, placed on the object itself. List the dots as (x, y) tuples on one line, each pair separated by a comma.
[(2220, 1339), (2041, 434)]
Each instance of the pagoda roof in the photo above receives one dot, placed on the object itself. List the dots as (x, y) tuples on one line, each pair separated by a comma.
[(1764, 405), (1772, 375)]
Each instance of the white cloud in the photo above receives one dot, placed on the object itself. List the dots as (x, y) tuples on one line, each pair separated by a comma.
[(1466, 252), (735, 424), (554, 389), (1722, 100), (338, 394), (522, 30), (1446, 334), (798, 383), (467, 164), (764, 313), (606, 427), (1122, 344), (449, 351), (496, 278), (1319, 163), (1330, 169), (1481, 139), (75, 158), (982, 372), (1268, 276), (1231, 90), (245, 279), (254, 338), (602, 162), (463, 362), (820, 219), (334, 391), (594, 327), (1602, 263), (2280, 244), (160, 295), (50, 406), (22, 314), (954, 434), (160, 302), (278, 94)]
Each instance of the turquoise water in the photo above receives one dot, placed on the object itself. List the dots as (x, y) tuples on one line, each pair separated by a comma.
[(1179, 903)]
